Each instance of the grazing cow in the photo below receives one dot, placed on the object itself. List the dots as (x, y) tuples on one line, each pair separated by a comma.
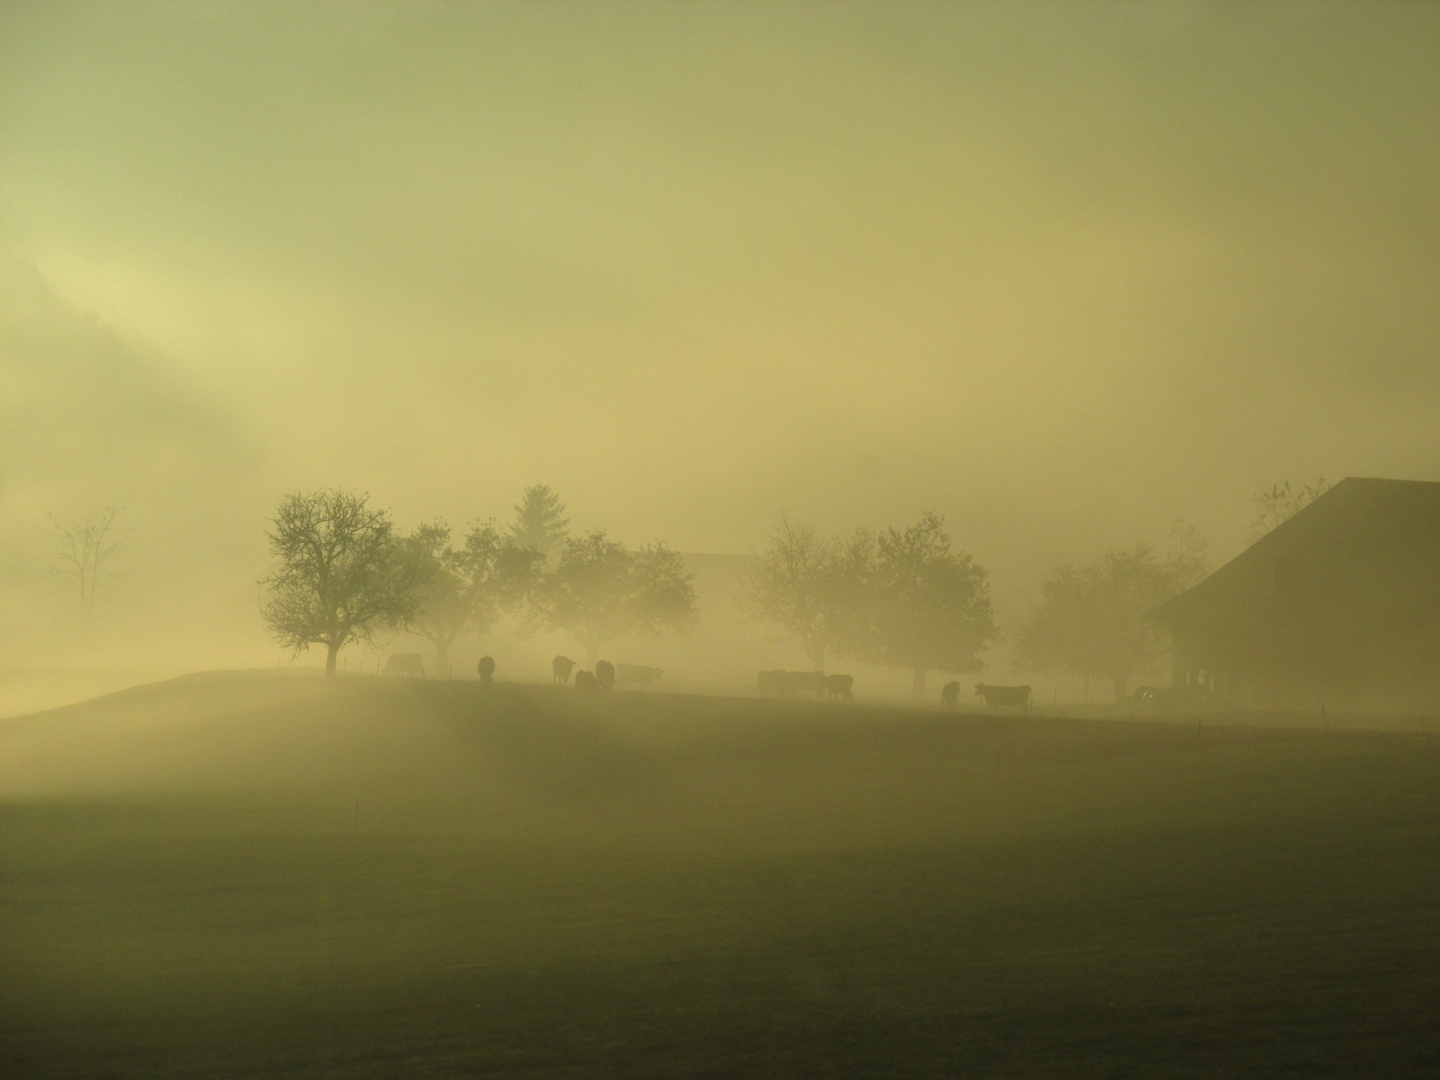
[(405, 663), (998, 697), (809, 682), (636, 675), (840, 686), (562, 666), (605, 674), (486, 668), (771, 682), (950, 695), (585, 682)]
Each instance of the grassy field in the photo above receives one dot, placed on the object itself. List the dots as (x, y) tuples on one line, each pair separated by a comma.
[(248, 874)]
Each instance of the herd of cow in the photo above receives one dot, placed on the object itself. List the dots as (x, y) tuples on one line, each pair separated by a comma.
[(606, 675), (780, 684)]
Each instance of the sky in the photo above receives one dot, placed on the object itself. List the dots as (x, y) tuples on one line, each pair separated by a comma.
[(1061, 272)]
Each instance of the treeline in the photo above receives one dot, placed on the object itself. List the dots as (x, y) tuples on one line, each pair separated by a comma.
[(345, 575), (899, 597), (907, 598)]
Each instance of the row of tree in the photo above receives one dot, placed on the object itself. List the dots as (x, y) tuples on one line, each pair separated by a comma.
[(345, 575), (900, 597), (905, 598)]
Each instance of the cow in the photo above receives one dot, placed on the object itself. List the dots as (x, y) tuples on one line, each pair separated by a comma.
[(771, 682), (810, 682), (486, 669), (585, 682), (636, 675), (840, 686), (950, 695), (998, 697), (562, 666), (405, 663), (605, 675)]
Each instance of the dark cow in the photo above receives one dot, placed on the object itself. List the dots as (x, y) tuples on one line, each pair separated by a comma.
[(805, 682), (771, 682), (562, 666), (636, 675), (486, 669), (950, 695), (585, 682), (405, 663), (605, 675), (840, 686), (998, 697)]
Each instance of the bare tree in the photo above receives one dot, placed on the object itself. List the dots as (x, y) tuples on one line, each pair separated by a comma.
[(343, 575), (82, 556), (467, 589), (1281, 502), (925, 607), (599, 590), (792, 588), (444, 609), (1094, 619)]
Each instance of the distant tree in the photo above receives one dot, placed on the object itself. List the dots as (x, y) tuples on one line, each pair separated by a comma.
[(1187, 554), (343, 575), (792, 588), (1063, 633), (500, 575), (444, 599), (539, 520), (599, 590), (923, 606), (466, 589), (1094, 619), (1280, 503), (81, 558)]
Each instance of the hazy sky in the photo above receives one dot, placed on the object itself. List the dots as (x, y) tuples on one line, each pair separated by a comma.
[(1062, 272)]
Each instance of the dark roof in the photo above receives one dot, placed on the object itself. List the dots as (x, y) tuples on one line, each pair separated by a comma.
[(1365, 554)]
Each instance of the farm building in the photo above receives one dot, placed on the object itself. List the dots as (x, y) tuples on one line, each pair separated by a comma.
[(1338, 606)]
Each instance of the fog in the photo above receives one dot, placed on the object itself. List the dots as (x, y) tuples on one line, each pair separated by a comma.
[(1060, 274)]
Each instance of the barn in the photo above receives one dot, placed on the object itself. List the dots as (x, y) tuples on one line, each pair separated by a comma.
[(1338, 606)]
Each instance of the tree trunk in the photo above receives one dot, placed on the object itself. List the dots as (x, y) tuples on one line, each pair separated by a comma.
[(332, 650), (592, 654), (917, 684), (817, 658), (442, 658), (1122, 679)]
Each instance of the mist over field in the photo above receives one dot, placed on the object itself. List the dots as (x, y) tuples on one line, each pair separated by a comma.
[(719, 539), (1061, 276)]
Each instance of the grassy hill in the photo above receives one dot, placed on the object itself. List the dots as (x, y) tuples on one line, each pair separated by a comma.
[(250, 874)]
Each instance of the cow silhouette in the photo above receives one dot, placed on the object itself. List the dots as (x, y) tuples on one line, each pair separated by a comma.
[(585, 682), (605, 675), (950, 695), (771, 682), (405, 663), (998, 697), (486, 668), (562, 666), (839, 686)]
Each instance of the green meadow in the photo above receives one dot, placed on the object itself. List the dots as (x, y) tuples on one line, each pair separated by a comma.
[(250, 874)]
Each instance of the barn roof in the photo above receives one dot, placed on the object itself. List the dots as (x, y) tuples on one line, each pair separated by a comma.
[(1366, 554)]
